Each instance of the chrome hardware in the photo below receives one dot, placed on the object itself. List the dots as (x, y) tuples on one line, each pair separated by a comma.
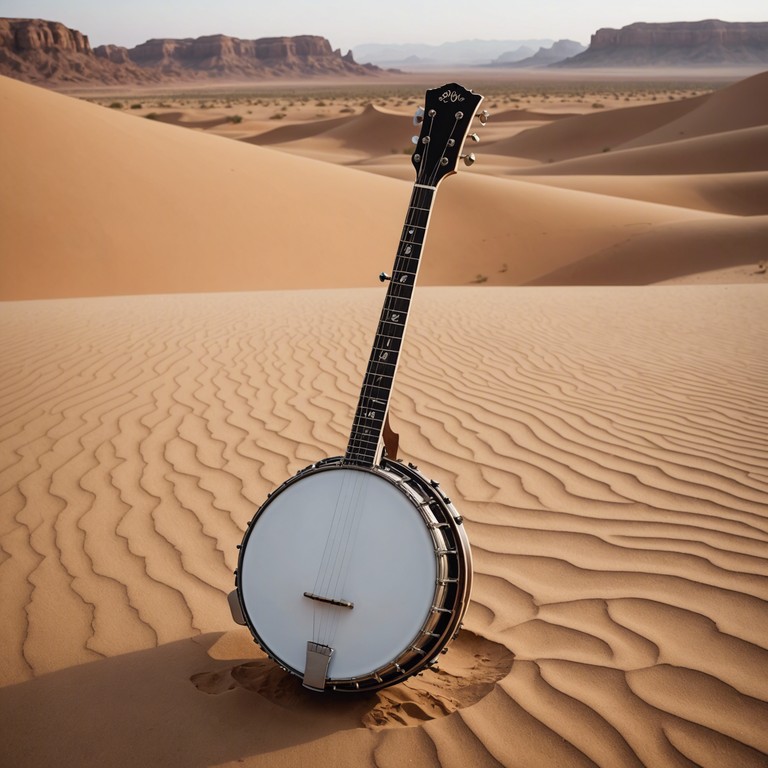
[(235, 608), (384, 276), (469, 159), (474, 137), (432, 112), (414, 139), (316, 667), (483, 116), (417, 158), (418, 116), (444, 161)]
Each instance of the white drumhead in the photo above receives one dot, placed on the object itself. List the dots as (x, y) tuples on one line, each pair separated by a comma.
[(348, 535)]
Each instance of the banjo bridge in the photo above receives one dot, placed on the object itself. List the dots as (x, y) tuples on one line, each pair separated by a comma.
[(329, 600)]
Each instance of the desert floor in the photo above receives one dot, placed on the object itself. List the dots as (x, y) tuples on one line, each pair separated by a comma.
[(189, 303)]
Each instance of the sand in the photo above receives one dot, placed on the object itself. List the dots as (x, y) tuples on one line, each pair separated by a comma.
[(101, 201), (187, 315), (608, 452)]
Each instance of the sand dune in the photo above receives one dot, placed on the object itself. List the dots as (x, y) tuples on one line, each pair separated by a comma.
[(737, 194), (728, 250), (376, 131), (608, 449), (102, 203), (731, 152), (107, 203), (589, 134), (515, 231), (297, 131), (741, 105)]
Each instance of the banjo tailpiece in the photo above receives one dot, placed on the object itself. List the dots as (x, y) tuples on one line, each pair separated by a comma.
[(316, 668)]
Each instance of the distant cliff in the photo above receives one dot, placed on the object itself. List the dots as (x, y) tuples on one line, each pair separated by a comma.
[(544, 57), (49, 52), (696, 43)]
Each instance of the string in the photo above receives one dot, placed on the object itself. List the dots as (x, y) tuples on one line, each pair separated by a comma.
[(350, 500), (396, 297)]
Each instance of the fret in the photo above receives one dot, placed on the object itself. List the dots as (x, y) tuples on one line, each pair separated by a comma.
[(382, 335), (406, 265), (380, 363), (396, 312), (373, 403)]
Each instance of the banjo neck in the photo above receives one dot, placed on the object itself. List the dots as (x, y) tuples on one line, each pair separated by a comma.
[(445, 121), (365, 440)]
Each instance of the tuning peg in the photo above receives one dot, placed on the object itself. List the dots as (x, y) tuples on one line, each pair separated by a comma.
[(384, 276), (418, 116), (469, 159), (474, 137), (483, 116), (414, 139)]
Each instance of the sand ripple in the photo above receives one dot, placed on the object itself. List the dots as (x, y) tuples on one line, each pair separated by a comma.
[(607, 449)]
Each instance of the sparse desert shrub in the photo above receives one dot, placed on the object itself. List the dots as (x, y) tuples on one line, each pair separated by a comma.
[(598, 105), (152, 116), (235, 118), (278, 116), (116, 105), (135, 106)]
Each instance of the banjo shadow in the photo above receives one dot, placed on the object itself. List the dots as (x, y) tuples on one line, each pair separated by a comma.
[(191, 703)]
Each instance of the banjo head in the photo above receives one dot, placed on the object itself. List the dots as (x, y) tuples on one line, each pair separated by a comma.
[(354, 578)]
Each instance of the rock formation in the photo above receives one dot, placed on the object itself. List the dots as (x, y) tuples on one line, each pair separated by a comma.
[(224, 55), (545, 57), (698, 43), (48, 52)]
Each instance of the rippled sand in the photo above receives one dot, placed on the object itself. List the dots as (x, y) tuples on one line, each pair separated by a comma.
[(607, 447)]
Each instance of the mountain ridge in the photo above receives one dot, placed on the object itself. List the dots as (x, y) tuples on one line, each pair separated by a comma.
[(49, 52), (686, 43)]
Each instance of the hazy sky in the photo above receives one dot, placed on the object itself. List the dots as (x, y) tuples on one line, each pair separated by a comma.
[(347, 23)]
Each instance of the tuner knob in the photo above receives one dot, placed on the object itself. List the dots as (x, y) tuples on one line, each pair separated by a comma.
[(469, 159), (418, 116), (483, 116), (414, 139), (384, 276), (474, 137)]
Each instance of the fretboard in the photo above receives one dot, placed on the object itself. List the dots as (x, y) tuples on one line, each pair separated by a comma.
[(364, 448)]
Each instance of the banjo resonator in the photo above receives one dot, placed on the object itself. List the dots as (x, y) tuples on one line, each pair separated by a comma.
[(356, 572)]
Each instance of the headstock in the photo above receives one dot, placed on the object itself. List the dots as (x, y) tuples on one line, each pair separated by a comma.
[(445, 122)]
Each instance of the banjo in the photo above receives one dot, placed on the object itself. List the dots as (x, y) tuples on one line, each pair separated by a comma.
[(356, 572)]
